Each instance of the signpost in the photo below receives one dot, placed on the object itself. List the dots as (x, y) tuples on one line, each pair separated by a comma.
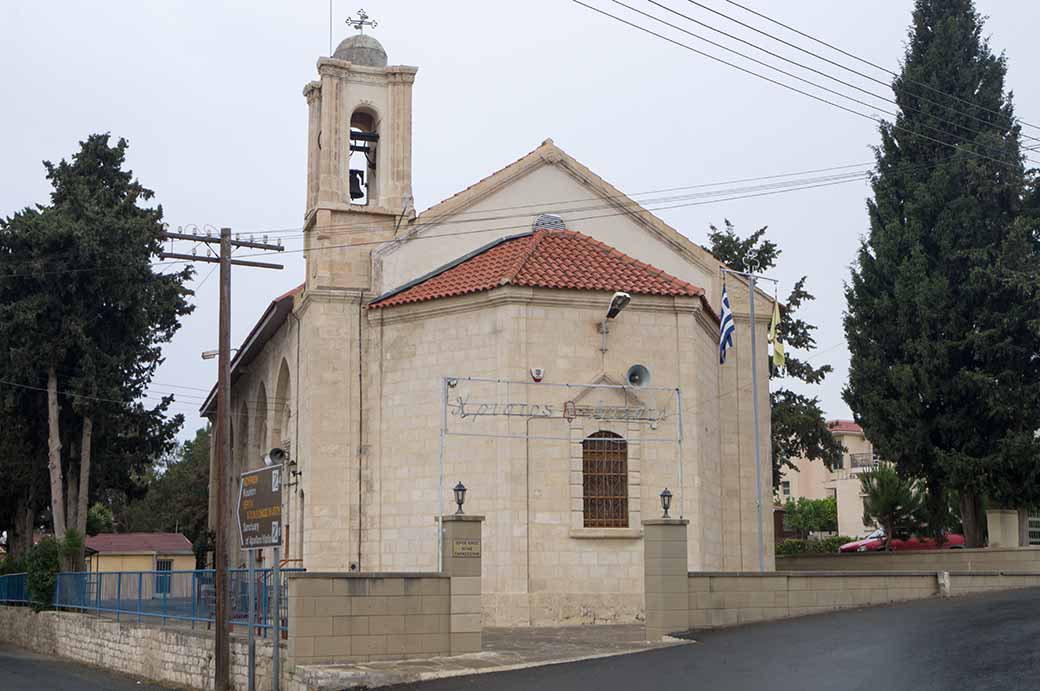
[(260, 525)]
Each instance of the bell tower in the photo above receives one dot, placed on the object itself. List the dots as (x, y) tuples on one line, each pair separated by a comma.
[(359, 160)]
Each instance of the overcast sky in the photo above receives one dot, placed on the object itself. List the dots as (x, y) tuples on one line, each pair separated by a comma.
[(209, 95)]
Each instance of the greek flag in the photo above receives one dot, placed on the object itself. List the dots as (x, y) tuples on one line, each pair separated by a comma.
[(725, 327)]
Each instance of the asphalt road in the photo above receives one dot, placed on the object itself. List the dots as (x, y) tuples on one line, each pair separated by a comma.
[(989, 641), (21, 670)]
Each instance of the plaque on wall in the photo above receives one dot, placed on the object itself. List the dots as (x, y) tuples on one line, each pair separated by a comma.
[(465, 548)]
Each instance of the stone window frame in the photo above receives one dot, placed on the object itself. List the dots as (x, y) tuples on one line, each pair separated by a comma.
[(580, 430), (605, 472)]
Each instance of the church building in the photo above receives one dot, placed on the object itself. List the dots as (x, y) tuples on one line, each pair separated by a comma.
[(539, 337)]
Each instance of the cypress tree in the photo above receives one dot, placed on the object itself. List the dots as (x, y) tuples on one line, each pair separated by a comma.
[(942, 321)]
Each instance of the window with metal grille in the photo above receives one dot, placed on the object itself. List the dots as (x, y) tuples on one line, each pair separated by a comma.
[(605, 480), (162, 580)]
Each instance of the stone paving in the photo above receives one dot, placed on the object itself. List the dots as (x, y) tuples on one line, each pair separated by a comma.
[(504, 649)]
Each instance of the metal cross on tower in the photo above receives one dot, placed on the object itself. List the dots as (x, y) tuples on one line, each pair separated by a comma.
[(362, 21)]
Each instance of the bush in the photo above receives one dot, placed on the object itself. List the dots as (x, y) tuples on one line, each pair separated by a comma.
[(11, 565), (828, 545), (43, 564)]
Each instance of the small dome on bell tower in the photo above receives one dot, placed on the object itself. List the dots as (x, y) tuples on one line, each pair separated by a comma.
[(361, 49)]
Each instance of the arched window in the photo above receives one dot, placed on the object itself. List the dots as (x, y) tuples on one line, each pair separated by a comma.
[(364, 135), (605, 480)]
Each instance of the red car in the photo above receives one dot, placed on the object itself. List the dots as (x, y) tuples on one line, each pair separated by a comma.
[(875, 542)]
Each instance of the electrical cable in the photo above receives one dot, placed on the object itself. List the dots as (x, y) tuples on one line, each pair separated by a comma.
[(791, 88), (868, 62)]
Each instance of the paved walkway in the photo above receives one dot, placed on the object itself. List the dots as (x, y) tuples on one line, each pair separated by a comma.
[(504, 649)]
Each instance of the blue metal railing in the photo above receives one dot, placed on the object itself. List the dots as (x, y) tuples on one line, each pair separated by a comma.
[(172, 596), (14, 589)]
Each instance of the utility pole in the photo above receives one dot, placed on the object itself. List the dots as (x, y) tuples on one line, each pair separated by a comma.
[(221, 651), (751, 279)]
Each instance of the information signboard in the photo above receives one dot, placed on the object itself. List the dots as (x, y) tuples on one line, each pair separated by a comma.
[(260, 507)]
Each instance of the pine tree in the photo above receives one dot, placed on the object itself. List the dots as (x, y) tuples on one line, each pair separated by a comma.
[(798, 426), (942, 305), (83, 316)]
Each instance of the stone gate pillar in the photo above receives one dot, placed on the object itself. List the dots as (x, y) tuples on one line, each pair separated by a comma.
[(461, 554), (665, 570)]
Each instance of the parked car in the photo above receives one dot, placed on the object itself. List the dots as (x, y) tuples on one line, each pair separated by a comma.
[(875, 542)]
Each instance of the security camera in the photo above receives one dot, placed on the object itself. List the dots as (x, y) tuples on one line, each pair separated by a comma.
[(618, 303)]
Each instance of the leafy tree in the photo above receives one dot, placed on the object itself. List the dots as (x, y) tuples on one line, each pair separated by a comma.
[(799, 429), (100, 519), (942, 312), (177, 495), (811, 515), (86, 319), (890, 500)]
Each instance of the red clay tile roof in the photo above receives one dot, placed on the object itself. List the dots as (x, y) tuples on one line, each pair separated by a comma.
[(844, 426), (542, 259), (166, 543)]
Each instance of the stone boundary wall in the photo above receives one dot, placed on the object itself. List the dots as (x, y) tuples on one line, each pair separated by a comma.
[(358, 617), (986, 559), (982, 581), (337, 618), (171, 655), (727, 599)]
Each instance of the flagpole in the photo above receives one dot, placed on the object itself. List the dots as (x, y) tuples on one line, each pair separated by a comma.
[(751, 278)]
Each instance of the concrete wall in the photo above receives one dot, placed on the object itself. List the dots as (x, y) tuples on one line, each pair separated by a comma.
[(989, 559), (170, 655), (678, 600), (724, 599), (337, 618)]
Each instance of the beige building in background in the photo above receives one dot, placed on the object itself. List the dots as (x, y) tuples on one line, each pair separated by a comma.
[(356, 372), (815, 480), (139, 552)]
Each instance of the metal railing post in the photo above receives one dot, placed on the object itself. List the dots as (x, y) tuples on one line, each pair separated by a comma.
[(194, 598), (265, 594), (57, 591), (140, 584), (165, 592), (119, 593), (97, 595)]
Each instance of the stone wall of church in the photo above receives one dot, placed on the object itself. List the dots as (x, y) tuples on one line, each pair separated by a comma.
[(263, 401), (541, 565)]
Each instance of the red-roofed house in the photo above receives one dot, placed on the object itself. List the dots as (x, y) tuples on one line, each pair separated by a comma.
[(139, 552), (476, 333)]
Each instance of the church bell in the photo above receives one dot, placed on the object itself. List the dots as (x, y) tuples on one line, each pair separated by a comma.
[(357, 184)]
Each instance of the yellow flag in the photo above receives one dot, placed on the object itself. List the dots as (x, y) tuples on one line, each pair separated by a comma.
[(779, 360)]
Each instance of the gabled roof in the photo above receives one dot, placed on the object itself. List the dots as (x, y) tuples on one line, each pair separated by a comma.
[(561, 259), (271, 320), (844, 426), (116, 543), (548, 153)]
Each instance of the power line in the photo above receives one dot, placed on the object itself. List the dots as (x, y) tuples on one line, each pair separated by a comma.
[(859, 59), (805, 67), (820, 57), (630, 212), (780, 187), (789, 87), (365, 225)]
